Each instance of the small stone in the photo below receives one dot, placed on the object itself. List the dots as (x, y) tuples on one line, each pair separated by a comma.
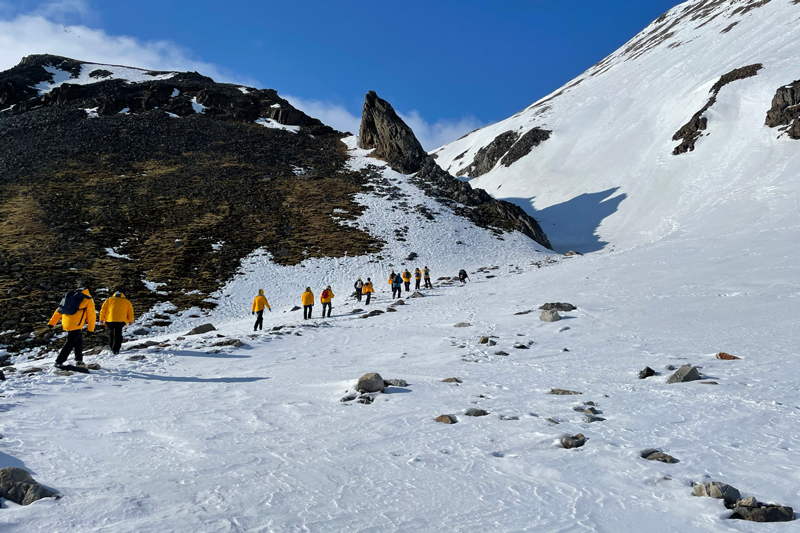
[(452, 380), (715, 489), (552, 421), (709, 383), (349, 397), (463, 325), (573, 442), (472, 411), (550, 316), (509, 417), (501, 352), (446, 419), (31, 371), (399, 302), (727, 357), (483, 340), (764, 513), (204, 328), (590, 411), (140, 332), (395, 383), (391, 310), (93, 366), (684, 374), (521, 346), (589, 403), (417, 294), (370, 382), (366, 400), (563, 392), (591, 418), (491, 343), (564, 349), (750, 501), (524, 312), (669, 367), (572, 253), (646, 373), (136, 358), (558, 306), (652, 454)]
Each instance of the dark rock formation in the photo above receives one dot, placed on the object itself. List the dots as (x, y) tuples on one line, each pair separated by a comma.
[(203, 328), (18, 486), (685, 374), (370, 382), (652, 454), (646, 373), (754, 511), (716, 489), (558, 306), (524, 145), (691, 131), (391, 139), (575, 441), (784, 113), (488, 156), (446, 419)]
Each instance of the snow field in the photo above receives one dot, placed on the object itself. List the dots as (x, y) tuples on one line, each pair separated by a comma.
[(129, 74)]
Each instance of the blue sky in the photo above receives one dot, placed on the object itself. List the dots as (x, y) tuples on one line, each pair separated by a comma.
[(447, 66)]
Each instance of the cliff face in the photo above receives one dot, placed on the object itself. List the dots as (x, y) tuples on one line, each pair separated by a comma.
[(391, 139)]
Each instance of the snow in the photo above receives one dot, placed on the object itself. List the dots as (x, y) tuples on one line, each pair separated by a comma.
[(111, 252), (198, 108), (153, 286), (175, 93), (245, 90), (129, 74), (125, 111), (276, 106), (92, 112), (272, 123)]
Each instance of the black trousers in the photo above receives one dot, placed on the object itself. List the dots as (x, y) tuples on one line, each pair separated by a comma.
[(408, 285), (416, 285), (259, 320), (428, 283), (368, 296), (74, 342), (397, 292), (324, 307), (115, 335), (358, 294), (307, 311)]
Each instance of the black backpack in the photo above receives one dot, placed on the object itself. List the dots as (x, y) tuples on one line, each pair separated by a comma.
[(71, 302)]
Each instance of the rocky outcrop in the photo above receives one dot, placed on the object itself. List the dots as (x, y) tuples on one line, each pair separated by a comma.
[(717, 489), (524, 145), (692, 130), (371, 382), (18, 486), (488, 156), (784, 113), (388, 136), (685, 374)]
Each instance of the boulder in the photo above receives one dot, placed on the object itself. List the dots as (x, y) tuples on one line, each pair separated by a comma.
[(591, 418), (391, 310), (550, 316), (417, 294), (563, 392), (483, 340), (462, 325), (371, 382), (390, 139), (451, 380), (18, 486), (399, 302), (651, 454), (558, 306), (716, 489), (472, 411), (646, 373), (93, 366), (136, 358), (727, 357), (205, 328), (140, 332), (395, 383), (684, 374), (575, 441), (446, 419), (752, 510)]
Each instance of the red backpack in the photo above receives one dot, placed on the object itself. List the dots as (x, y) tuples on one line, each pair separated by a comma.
[(325, 294)]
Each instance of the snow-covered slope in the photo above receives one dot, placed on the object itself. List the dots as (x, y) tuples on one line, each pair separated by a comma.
[(607, 173)]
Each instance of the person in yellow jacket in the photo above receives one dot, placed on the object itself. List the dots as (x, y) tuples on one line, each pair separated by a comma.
[(417, 278), (325, 299), (308, 303), (368, 290), (426, 273), (75, 311), (259, 303), (407, 279), (115, 313)]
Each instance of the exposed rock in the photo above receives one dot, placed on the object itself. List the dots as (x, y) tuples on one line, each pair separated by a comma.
[(646, 373), (785, 110), (473, 411), (295, 308), (18, 486), (524, 145), (752, 510), (727, 357), (371, 382), (395, 383), (483, 340), (2, 376), (572, 253), (573, 442), (446, 419), (93, 366), (391, 310), (563, 392), (501, 352), (451, 380), (491, 343), (651, 454), (591, 418), (669, 367), (349, 397), (558, 306), (140, 332), (399, 302), (716, 489), (204, 328), (684, 374), (550, 316), (32, 370), (525, 312), (521, 346), (488, 156), (230, 342), (552, 421), (388, 136), (417, 294), (366, 400), (462, 325), (509, 417), (136, 358)]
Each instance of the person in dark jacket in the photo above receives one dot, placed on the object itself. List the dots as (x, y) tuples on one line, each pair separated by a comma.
[(426, 273), (462, 276), (397, 286), (359, 287)]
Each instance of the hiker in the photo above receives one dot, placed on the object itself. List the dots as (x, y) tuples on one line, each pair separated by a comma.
[(462, 276), (407, 279), (391, 281), (397, 286), (75, 310), (359, 287), (417, 278), (117, 311), (325, 299), (368, 290), (308, 303), (259, 303), (426, 273)]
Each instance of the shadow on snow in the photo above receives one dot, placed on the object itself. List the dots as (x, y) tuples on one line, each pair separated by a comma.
[(153, 377)]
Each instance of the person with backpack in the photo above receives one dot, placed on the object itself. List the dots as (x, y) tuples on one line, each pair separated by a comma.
[(359, 287), (75, 311), (391, 280), (325, 299), (462, 276), (117, 311), (308, 303), (417, 278), (426, 273), (407, 279), (259, 303), (397, 286), (368, 290)]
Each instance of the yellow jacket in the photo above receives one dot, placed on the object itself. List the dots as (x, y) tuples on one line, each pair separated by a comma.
[(86, 315), (328, 299), (406, 276), (427, 273), (367, 288), (260, 302), (417, 274), (117, 309), (391, 278), (308, 298)]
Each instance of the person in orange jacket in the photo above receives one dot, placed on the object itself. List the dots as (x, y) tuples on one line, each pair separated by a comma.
[(426, 273), (417, 278), (308, 303), (75, 311), (259, 303), (325, 299), (368, 290), (115, 313), (407, 279)]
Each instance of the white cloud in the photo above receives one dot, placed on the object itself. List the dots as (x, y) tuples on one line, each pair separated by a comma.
[(430, 135), (36, 34), (64, 10)]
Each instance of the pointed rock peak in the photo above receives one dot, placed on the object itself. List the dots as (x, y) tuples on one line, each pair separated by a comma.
[(391, 138)]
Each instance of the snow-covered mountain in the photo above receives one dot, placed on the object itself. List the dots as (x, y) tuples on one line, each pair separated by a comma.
[(594, 160)]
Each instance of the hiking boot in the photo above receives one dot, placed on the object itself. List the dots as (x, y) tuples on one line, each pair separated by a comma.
[(80, 364), (58, 366)]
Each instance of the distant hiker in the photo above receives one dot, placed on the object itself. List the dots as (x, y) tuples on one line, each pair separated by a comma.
[(359, 287), (308, 303), (368, 290), (117, 311), (325, 299), (417, 278), (462, 276), (426, 273), (391, 280), (407, 279), (397, 286), (75, 310), (259, 303)]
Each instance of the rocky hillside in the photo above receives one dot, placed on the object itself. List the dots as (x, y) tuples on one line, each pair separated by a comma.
[(158, 184)]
